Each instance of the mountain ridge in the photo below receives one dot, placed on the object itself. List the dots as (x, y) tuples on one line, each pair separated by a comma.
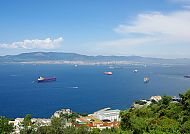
[(61, 56)]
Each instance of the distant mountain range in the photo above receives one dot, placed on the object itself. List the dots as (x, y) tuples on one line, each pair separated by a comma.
[(72, 57)]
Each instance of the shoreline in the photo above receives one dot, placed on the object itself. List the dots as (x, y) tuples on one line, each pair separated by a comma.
[(67, 62), (86, 63)]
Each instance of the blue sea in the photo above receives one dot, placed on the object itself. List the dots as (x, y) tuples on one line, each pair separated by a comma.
[(83, 89)]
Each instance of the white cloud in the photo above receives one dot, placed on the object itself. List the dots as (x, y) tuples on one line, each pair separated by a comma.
[(47, 43), (157, 28), (173, 26), (151, 34)]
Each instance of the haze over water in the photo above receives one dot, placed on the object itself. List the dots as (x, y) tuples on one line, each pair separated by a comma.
[(83, 89)]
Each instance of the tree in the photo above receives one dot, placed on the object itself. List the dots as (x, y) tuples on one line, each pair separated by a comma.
[(165, 124), (69, 117), (27, 130), (165, 100), (186, 127), (27, 120), (185, 100), (83, 130), (158, 118), (95, 131), (44, 130), (57, 125), (125, 120), (5, 127)]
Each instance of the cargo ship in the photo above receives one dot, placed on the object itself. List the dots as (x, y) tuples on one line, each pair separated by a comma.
[(43, 79), (187, 76), (108, 73)]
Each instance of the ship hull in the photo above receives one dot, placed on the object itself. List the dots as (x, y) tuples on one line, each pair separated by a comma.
[(187, 76), (47, 80), (108, 73)]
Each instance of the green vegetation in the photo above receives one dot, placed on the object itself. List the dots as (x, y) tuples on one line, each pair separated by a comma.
[(69, 117), (163, 117), (76, 130), (5, 127), (27, 120), (28, 128)]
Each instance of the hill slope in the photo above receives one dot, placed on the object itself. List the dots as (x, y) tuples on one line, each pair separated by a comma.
[(57, 56)]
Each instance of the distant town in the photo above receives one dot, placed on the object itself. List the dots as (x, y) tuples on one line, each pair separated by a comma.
[(77, 62)]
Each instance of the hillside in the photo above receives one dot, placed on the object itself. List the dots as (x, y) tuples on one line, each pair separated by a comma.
[(57, 56), (163, 117)]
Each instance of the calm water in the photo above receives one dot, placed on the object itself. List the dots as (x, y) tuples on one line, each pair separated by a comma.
[(19, 94)]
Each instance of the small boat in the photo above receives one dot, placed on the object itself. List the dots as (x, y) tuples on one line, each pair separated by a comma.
[(135, 71), (146, 79), (108, 73), (43, 79), (75, 87), (187, 76)]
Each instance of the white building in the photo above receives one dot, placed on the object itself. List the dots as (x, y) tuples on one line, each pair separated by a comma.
[(17, 123), (156, 98), (62, 111), (107, 114), (41, 122)]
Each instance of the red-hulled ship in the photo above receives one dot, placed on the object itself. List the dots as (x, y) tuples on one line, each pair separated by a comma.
[(43, 79), (108, 73)]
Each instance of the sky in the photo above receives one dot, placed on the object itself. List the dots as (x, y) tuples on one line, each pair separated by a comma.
[(150, 28)]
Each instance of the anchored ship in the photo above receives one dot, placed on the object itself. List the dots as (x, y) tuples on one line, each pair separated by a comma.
[(108, 73), (187, 76), (48, 79), (146, 79)]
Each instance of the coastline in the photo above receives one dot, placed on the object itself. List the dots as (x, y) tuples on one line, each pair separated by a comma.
[(74, 62), (68, 62)]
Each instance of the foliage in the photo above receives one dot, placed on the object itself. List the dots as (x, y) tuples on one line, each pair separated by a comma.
[(77, 130), (163, 117), (5, 127), (140, 102), (27, 130), (27, 120), (69, 117)]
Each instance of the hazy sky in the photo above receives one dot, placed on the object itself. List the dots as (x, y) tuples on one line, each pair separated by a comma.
[(156, 28)]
